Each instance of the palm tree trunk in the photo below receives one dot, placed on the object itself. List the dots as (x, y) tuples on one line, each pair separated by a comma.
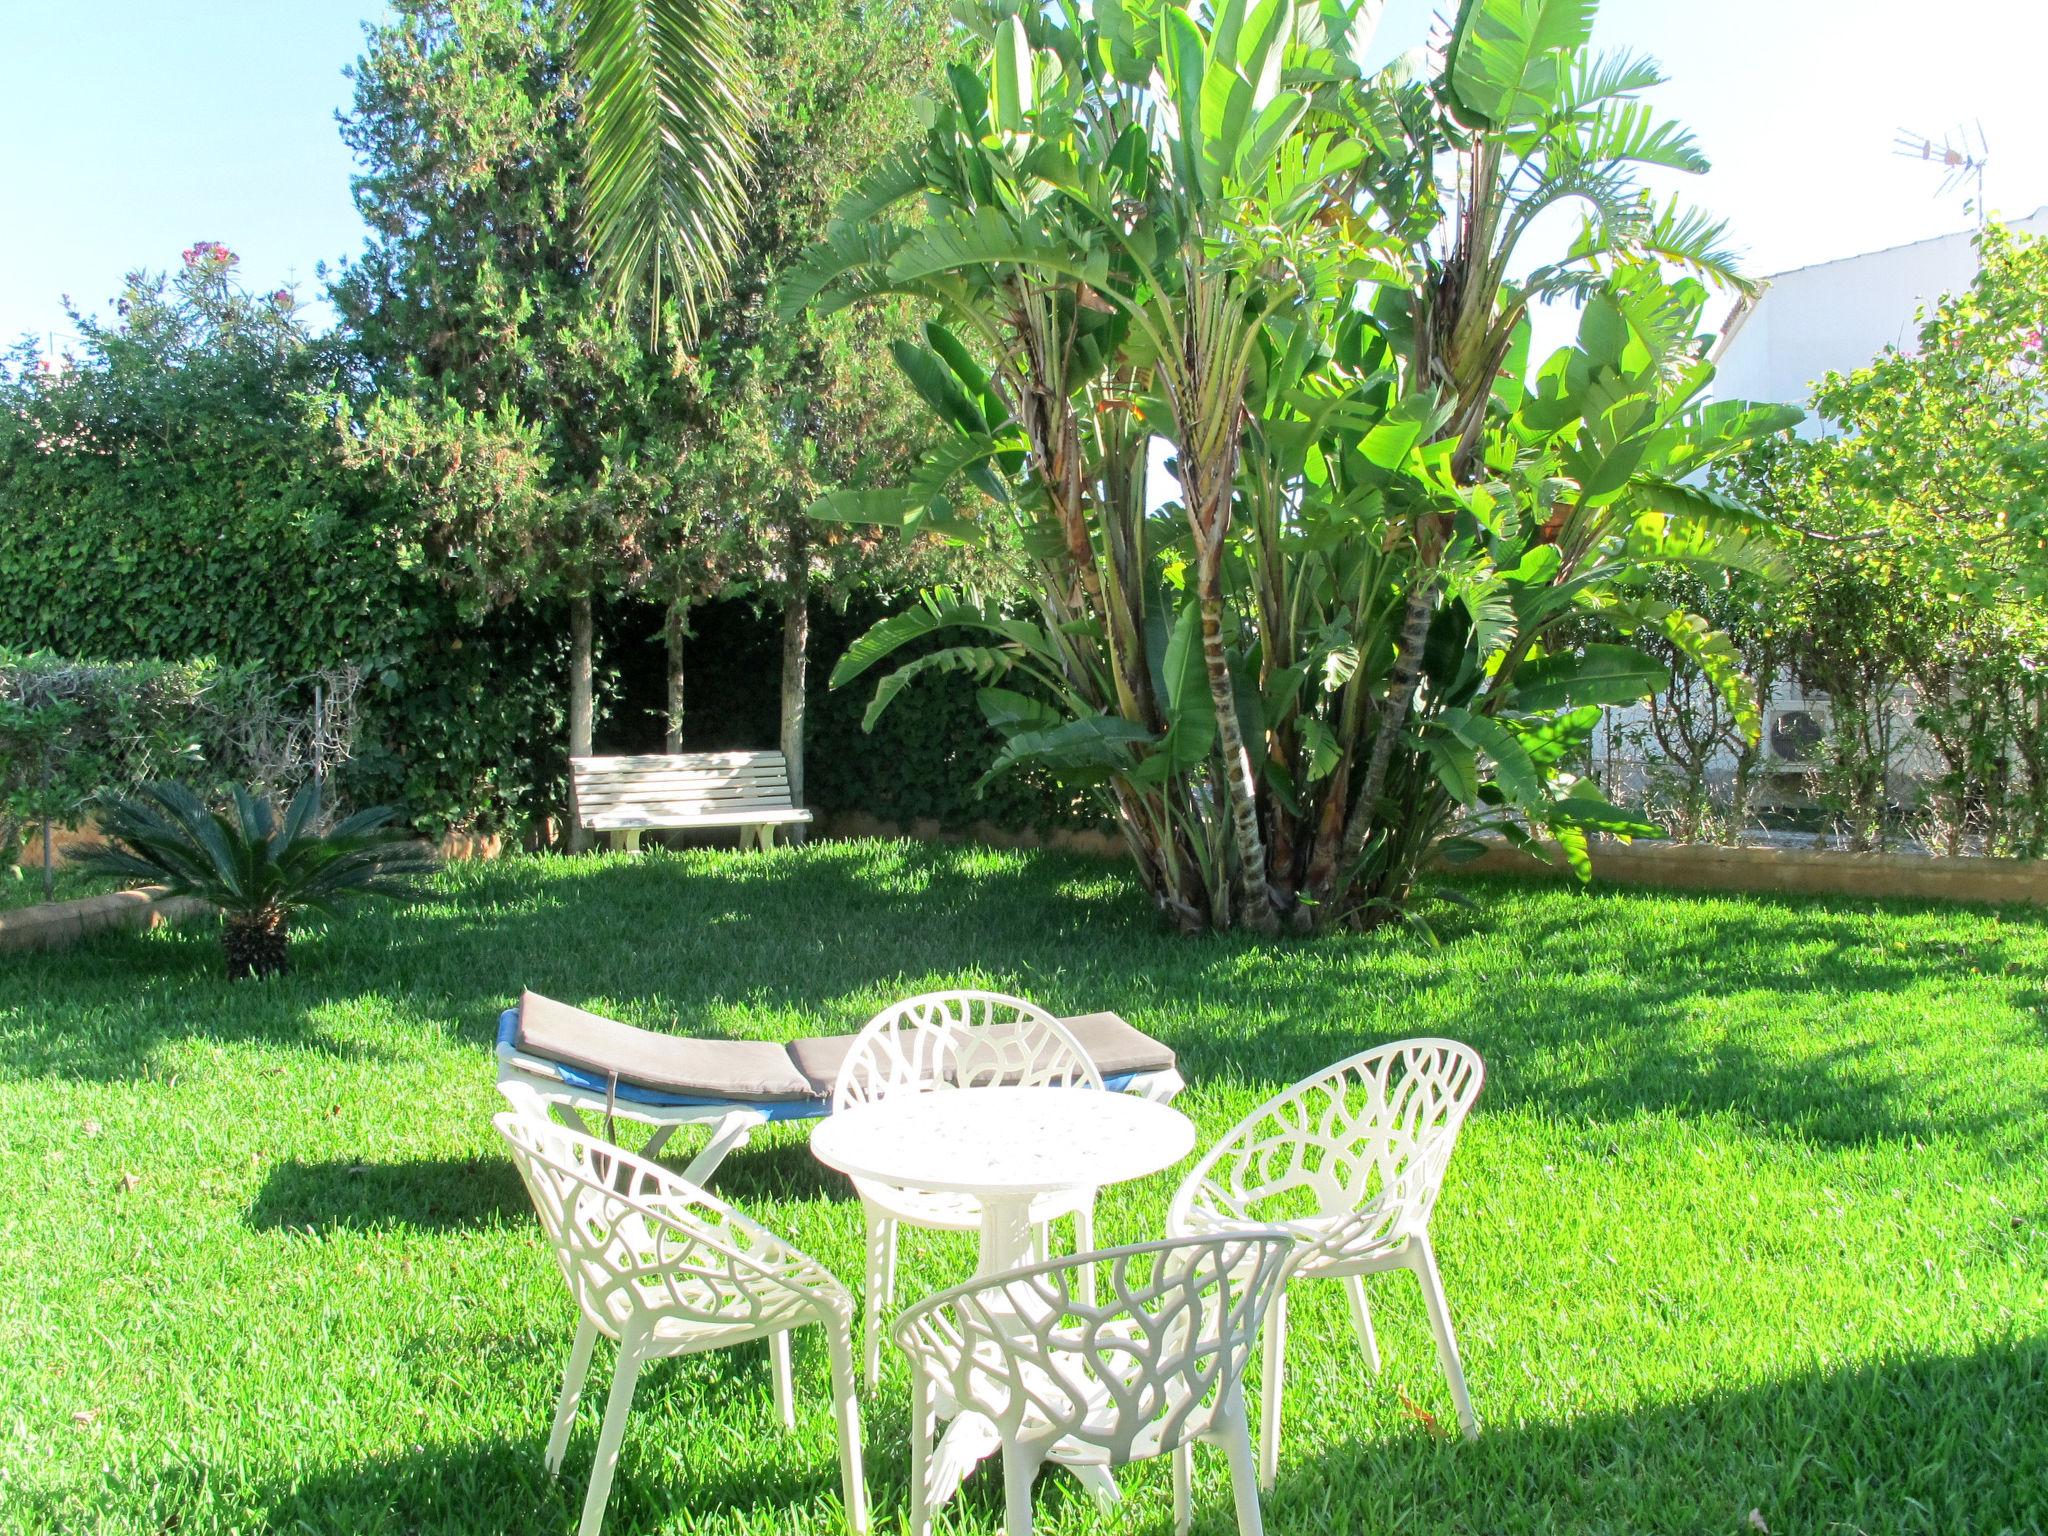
[(582, 666), (796, 659), (675, 632), (1402, 685), (1239, 784)]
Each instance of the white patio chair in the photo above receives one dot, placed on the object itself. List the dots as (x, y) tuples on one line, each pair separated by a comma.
[(948, 1040), (665, 1268), (1157, 1365), (1350, 1162)]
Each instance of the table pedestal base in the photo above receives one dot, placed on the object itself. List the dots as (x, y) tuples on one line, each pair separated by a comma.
[(970, 1439)]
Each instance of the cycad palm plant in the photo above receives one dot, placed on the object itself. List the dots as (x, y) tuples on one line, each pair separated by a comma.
[(257, 869)]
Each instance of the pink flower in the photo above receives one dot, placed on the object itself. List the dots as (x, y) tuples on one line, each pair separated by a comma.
[(282, 298)]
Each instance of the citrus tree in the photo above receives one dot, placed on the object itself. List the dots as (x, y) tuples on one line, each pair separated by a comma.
[(1394, 574), (1926, 560)]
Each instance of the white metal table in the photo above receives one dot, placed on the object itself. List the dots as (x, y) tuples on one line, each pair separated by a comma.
[(1005, 1147)]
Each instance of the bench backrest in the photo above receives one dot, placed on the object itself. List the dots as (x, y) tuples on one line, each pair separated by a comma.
[(652, 788)]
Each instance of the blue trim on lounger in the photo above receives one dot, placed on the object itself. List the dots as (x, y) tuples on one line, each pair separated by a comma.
[(771, 1109)]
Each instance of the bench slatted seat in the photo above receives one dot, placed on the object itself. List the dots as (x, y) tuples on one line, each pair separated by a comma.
[(625, 796)]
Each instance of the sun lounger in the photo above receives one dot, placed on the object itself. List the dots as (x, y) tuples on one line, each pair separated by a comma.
[(585, 1064)]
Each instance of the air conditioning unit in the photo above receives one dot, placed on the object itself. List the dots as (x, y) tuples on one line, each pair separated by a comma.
[(1795, 737)]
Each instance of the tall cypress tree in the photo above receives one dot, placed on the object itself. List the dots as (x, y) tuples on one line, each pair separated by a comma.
[(527, 418)]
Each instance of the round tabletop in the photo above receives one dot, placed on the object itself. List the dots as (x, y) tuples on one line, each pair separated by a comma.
[(1004, 1141)]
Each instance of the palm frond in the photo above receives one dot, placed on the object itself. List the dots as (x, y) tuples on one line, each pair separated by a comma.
[(246, 861), (1691, 239), (669, 111)]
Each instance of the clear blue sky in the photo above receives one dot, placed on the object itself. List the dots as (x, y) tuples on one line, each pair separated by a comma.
[(130, 129)]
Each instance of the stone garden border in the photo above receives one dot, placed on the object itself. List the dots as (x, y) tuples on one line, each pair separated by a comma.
[(1794, 871), (54, 924)]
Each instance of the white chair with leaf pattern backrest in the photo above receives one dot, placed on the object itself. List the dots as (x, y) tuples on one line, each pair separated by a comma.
[(1156, 1365), (665, 1268), (1350, 1162), (949, 1040)]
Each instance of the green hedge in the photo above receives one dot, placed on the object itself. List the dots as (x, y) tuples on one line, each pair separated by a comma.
[(921, 761)]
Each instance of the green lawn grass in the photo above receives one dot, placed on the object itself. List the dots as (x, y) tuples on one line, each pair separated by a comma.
[(21, 885), (1752, 1216)]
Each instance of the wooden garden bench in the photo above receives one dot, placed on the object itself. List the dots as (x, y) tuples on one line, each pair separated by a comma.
[(625, 796)]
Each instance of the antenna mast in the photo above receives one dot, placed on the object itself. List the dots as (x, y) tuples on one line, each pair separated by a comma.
[(1960, 165)]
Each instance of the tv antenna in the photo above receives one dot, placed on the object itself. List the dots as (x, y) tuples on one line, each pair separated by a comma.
[(1960, 165)]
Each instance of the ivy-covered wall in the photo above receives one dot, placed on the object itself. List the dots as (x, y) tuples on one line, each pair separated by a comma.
[(462, 717), (922, 760)]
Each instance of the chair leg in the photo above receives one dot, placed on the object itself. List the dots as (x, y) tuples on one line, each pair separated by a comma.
[(1361, 1319), (785, 1387), (923, 1427), (1244, 1475), (1423, 1261), (846, 1411), (1084, 1242), (608, 1438), (1020, 1471), (881, 1244), (1183, 1488), (1270, 1388), (572, 1392)]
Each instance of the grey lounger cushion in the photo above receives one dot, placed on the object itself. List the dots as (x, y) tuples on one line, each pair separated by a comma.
[(1117, 1049), (755, 1070)]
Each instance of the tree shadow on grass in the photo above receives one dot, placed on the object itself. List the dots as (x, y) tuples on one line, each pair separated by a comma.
[(820, 937), (444, 1193), (427, 1194), (1930, 1446), (1595, 1008)]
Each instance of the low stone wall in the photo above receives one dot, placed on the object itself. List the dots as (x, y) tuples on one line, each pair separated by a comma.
[(54, 924), (1691, 866)]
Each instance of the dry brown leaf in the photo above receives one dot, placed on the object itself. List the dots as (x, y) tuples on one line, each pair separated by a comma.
[(91, 1127), (1420, 1414), (129, 1181), (84, 1417)]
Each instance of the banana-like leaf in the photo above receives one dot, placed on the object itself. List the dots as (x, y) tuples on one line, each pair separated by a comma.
[(974, 241), (1714, 653), (897, 175), (983, 662), (1582, 806), (1629, 132), (1513, 769), (1593, 674), (1576, 847), (941, 390), (1456, 767), (1191, 707), (1012, 93), (1510, 60), (1009, 712), (883, 508), (1084, 751), (1702, 543), (849, 264), (1129, 39)]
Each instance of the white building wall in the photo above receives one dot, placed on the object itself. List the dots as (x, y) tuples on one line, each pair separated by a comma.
[(1838, 315), (1832, 317)]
